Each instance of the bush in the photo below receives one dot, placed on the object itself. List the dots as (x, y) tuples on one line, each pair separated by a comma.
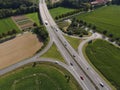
[(41, 31)]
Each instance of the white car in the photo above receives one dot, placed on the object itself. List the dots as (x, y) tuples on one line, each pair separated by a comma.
[(56, 62), (46, 22), (101, 84)]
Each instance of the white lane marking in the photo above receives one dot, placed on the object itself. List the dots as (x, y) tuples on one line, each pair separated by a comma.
[(91, 71)]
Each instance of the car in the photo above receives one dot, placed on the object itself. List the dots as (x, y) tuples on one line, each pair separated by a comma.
[(56, 62), (46, 22), (101, 84), (65, 44), (87, 68), (73, 55), (56, 29), (71, 64), (81, 77)]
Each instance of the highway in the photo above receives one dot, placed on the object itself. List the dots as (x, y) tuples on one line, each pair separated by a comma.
[(69, 59), (92, 79), (76, 63)]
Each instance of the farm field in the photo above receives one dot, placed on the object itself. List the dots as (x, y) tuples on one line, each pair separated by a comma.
[(106, 58), (19, 48), (105, 18), (40, 77), (7, 25), (59, 11), (23, 22)]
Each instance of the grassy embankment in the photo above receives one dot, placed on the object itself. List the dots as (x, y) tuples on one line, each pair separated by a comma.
[(74, 42), (106, 58), (40, 77), (54, 53)]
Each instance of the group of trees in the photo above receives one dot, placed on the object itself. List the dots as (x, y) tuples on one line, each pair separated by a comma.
[(67, 14), (75, 29), (116, 2), (6, 4), (41, 32), (74, 3), (13, 7), (12, 32), (81, 23), (111, 37), (22, 10)]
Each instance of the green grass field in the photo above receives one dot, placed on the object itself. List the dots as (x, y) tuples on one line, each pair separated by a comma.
[(106, 58), (40, 77), (74, 42), (7, 25), (105, 18), (54, 53), (59, 11), (34, 17)]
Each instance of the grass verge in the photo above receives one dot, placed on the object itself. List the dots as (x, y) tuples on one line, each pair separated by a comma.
[(74, 42), (54, 53)]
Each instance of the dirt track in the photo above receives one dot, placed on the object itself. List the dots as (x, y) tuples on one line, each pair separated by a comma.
[(18, 49)]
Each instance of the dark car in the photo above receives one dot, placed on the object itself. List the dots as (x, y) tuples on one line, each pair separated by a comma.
[(81, 77), (73, 55), (71, 64)]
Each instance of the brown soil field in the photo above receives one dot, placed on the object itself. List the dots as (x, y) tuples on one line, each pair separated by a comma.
[(18, 49)]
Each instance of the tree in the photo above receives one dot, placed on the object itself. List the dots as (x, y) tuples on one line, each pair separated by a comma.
[(89, 25), (105, 32), (34, 64), (81, 35), (84, 23), (81, 21), (35, 24), (89, 42), (110, 35), (0, 36), (14, 31), (41, 31), (117, 39), (94, 27), (56, 18)]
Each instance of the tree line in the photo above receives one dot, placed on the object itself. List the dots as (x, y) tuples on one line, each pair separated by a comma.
[(116, 2), (12, 32), (80, 23), (13, 4), (16, 7), (41, 32)]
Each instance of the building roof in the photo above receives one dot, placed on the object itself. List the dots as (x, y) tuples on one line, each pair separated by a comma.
[(99, 2)]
